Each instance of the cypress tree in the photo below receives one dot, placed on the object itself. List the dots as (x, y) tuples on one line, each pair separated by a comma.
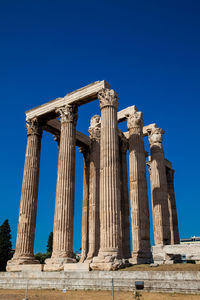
[(5, 245), (50, 244)]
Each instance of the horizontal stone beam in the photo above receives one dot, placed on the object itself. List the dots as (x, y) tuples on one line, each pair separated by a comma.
[(124, 113), (78, 97), (53, 127)]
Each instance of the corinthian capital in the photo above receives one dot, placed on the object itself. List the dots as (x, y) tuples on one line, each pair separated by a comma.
[(68, 114), (155, 136), (33, 127), (108, 97), (135, 120), (95, 127)]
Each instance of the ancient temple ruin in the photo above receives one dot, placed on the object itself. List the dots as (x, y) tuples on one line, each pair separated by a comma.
[(105, 211)]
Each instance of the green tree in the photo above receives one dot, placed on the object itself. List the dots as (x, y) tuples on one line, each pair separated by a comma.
[(41, 257), (50, 243), (5, 245)]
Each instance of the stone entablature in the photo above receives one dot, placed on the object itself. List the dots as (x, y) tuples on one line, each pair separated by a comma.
[(105, 218)]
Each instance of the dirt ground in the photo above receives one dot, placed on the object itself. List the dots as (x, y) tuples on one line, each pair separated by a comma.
[(88, 295), (174, 267)]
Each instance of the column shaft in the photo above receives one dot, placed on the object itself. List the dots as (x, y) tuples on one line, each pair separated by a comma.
[(172, 207), (109, 176), (28, 204), (64, 205), (85, 208), (159, 193), (125, 225), (94, 224), (138, 191)]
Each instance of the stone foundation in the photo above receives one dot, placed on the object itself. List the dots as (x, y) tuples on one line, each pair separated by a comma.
[(29, 268), (170, 254), (154, 281)]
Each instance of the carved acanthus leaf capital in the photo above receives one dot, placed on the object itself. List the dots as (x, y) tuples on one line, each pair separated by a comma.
[(68, 113), (135, 120), (108, 97), (155, 136), (33, 127), (95, 127)]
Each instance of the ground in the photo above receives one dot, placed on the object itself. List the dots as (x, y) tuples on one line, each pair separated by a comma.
[(88, 295), (174, 267)]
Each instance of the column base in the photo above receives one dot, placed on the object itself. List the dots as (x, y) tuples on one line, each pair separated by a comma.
[(107, 262), (23, 263), (57, 264), (141, 257)]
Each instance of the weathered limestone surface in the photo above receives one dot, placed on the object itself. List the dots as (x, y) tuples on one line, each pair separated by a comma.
[(159, 190), (125, 225), (159, 281), (85, 207), (79, 267), (168, 254), (94, 222), (110, 236), (64, 207), (28, 204), (138, 191), (172, 207)]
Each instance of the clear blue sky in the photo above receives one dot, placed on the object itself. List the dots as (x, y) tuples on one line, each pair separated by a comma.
[(149, 51)]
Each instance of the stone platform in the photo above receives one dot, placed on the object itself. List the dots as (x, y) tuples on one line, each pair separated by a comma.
[(169, 254), (155, 281)]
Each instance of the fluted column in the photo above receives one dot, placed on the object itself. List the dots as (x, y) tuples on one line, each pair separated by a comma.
[(94, 224), (28, 204), (125, 225), (64, 205), (138, 191), (85, 207), (172, 207), (159, 192), (109, 177)]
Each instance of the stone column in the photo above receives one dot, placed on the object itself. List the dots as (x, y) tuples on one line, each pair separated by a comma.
[(172, 207), (138, 191), (109, 183), (125, 225), (64, 205), (94, 224), (159, 192), (28, 204), (85, 207)]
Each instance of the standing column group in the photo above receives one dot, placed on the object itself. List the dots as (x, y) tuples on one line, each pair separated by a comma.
[(105, 214)]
